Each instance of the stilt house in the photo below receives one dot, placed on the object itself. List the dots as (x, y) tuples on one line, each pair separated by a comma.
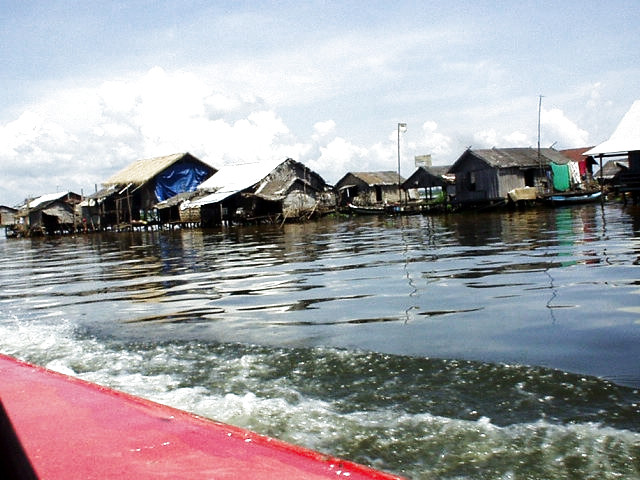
[(369, 188), (610, 172), (429, 179), (132, 193), (260, 191), (485, 177), (48, 214), (7, 215)]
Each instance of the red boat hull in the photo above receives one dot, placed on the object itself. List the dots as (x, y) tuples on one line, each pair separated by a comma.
[(72, 429)]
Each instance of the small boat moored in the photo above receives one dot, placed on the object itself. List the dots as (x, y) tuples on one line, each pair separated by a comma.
[(573, 198), (366, 209)]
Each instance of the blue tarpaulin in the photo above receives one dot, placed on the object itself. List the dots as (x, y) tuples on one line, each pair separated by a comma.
[(179, 178)]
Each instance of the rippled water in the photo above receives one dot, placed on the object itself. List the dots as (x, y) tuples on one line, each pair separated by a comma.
[(493, 345)]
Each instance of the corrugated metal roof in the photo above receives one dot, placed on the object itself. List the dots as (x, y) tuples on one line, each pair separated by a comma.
[(176, 200), (277, 189), (50, 197), (425, 177), (142, 171), (233, 178), (519, 157), (438, 170), (626, 136), (513, 157), (611, 169)]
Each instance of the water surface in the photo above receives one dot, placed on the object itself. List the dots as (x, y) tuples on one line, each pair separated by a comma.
[(493, 345)]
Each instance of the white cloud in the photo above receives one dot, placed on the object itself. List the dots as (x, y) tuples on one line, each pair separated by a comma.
[(435, 142), (517, 139), (322, 129), (339, 157), (82, 136), (490, 138), (594, 95), (558, 128), (486, 139)]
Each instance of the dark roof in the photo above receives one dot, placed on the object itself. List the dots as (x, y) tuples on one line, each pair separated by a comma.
[(512, 157), (611, 168), (425, 177), (438, 170), (280, 180)]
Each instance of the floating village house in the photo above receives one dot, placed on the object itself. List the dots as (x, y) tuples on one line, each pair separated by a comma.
[(609, 174), (260, 191), (369, 188), (131, 195), (7, 215), (624, 144), (48, 214), (429, 179), (486, 177)]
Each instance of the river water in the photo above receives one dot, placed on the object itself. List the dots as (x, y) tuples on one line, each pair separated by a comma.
[(468, 346)]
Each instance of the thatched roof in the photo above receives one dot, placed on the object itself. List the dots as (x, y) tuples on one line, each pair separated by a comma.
[(142, 171), (377, 178)]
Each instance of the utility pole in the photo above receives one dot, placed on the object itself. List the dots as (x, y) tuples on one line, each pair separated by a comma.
[(401, 127), (539, 159)]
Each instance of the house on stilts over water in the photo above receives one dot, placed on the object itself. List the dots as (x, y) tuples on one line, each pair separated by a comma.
[(50, 214), (130, 197), (363, 191), (499, 176), (428, 188), (265, 191)]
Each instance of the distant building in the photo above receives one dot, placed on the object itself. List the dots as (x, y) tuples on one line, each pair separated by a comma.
[(263, 191), (485, 177), (428, 179), (7, 215), (50, 214), (369, 188), (610, 172)]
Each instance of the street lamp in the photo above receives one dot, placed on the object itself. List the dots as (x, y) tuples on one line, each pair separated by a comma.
[(402, 127)]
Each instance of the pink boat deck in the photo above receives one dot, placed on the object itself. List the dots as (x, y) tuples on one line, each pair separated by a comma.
[(72, 429)]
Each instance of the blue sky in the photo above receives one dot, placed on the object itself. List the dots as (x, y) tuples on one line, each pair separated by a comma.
[(90, 86)]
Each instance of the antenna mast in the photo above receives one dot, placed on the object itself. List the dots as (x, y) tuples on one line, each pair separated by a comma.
[(539, 159)]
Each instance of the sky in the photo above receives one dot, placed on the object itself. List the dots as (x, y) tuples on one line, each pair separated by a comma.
[(88, 87)]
